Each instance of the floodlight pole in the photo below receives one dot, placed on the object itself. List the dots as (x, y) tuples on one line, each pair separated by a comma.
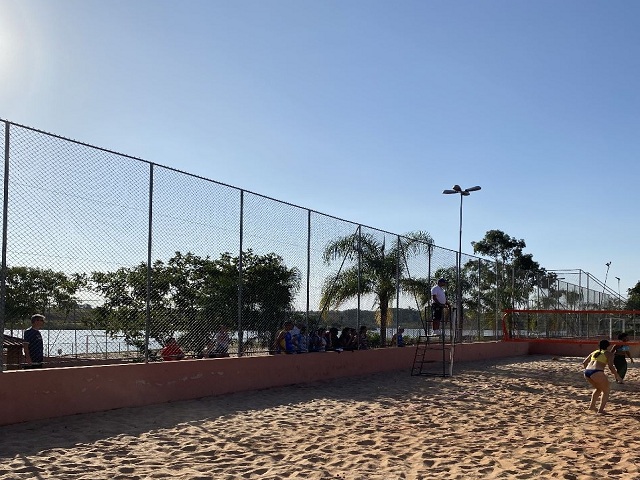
[(606, 275), (619, 296), (558, 291), (463, 193)]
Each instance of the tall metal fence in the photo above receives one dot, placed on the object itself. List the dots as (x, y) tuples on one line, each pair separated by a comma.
[(121, 254)]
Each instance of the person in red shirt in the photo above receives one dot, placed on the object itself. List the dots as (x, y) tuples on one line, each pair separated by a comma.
[(172, 351)]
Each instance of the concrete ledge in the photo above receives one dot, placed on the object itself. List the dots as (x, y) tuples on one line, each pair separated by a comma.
[(47, 393)]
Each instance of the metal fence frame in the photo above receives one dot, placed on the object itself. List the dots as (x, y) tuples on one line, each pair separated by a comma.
[(239, 219)]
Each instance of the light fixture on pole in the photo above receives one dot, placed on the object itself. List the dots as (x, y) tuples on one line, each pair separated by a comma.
[(619, 296), (606, 275), (463, 193)]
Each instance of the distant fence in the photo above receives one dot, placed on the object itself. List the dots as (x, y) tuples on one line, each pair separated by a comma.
[(530, 324), (137, 252)]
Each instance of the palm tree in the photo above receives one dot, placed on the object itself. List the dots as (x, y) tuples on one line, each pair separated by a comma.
[(374, 270)]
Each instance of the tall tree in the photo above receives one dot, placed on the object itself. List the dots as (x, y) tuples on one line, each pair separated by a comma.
[(512, 278), (195, 295), (124, 308), (500, 246), (515, 273), (32, 290), (376, 274), (633, 299)]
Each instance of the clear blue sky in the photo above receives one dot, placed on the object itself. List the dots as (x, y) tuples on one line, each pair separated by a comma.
[(362, 109)]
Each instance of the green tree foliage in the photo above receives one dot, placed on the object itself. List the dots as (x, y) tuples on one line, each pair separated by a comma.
[(633, 299), (124, 308), (194, 296), (378, 271), (497, 244), (510, 280), (32, 290)]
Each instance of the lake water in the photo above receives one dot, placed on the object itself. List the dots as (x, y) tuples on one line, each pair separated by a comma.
[(80, 342), (97, 342)]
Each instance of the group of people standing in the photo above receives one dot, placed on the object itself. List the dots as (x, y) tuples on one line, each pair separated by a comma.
[(294, 339), (606, 356)]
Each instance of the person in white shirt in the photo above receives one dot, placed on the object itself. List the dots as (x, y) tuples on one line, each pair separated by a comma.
[(439, 303)]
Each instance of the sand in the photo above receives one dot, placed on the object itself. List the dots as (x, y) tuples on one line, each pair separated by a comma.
[(515, 418)]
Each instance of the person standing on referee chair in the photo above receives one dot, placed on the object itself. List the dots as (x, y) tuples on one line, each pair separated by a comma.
[(33, 346), (438, 304)]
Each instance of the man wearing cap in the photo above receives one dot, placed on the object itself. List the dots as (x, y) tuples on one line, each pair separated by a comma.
[(33, 345), (439, 302)]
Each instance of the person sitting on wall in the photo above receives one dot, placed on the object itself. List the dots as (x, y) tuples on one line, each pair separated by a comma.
[(210, 348), (398, 338), (284, 339), (333, 340), (363, 338), (318, 341), (221, 343), (171, 351), (302, 344), (313, 341), (348, 339)]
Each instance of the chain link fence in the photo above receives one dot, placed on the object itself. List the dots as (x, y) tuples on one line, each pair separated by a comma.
[(122, 255)]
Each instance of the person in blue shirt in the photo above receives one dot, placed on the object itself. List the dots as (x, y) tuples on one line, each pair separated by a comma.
[(284, 339), (33, 346), (398, 338)]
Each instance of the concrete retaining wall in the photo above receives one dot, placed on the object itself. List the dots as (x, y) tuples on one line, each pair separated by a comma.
[(37, 394)]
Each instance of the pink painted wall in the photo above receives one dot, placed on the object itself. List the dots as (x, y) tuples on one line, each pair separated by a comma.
[(36, 394), (574, 348)]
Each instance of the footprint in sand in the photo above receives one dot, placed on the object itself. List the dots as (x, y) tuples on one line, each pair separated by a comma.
[(366, 442)]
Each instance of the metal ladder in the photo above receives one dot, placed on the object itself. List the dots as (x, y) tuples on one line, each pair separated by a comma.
[(425, 362)]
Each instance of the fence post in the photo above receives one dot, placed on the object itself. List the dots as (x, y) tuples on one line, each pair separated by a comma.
[(359, 273), (3, 272), (240, 274), (588, 296), (497, 290), (147, 326), (426, 324), (306, 316), (398, 284), (479, 308)]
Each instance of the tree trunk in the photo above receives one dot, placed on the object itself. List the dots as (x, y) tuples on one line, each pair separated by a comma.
[(384, 307)]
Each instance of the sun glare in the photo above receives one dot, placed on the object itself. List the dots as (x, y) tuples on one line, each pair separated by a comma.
[(17, 52)]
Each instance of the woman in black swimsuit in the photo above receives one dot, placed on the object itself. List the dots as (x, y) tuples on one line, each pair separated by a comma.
[(621, 352)]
